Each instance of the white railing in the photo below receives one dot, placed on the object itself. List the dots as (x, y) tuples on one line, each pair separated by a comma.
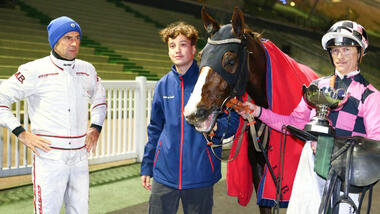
[(123, 135)]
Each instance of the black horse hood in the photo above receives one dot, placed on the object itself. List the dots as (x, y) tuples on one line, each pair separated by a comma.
[(213, 54)]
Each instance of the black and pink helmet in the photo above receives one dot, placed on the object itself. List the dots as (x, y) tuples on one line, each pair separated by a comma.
[(346, 33)]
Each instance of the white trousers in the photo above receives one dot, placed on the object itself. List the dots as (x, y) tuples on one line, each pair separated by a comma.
[(61, 175), (308, 188)]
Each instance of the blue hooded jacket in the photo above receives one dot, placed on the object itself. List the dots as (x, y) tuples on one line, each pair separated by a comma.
[(176, 155)]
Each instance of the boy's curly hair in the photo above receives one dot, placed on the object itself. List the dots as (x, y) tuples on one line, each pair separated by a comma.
[(176, 28)]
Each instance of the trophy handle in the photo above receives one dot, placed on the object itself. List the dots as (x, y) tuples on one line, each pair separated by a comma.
[(304, 89), (306, 94)]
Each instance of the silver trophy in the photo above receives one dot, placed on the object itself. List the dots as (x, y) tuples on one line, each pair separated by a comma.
[(323, 99)]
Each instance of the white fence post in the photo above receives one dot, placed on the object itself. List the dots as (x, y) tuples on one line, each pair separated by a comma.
[(140, 117)]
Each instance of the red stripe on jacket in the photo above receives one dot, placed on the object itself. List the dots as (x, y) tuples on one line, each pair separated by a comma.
[(180, 154)]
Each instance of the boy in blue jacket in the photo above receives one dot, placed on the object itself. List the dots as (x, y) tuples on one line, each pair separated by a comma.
[(176, 155)]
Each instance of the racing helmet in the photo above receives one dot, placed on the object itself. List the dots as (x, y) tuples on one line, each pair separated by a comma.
[(346, 33)]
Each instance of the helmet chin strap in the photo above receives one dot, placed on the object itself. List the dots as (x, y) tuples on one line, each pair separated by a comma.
[(360, 57), (361, 54)]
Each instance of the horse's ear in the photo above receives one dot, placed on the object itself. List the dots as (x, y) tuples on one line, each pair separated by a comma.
[(238, 22), (209, 23)]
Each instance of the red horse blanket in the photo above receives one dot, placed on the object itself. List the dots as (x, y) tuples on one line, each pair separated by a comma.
[(285, 78)]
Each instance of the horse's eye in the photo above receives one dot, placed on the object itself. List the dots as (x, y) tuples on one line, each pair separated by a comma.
[(229, 62)]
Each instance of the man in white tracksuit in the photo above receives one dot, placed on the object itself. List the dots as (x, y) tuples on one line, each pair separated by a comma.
[(58, 89)]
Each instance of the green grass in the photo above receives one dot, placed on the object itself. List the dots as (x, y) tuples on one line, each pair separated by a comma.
[(97, 177), (103, 198)]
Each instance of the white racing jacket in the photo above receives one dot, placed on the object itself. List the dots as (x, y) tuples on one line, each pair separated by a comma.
[(58, 94)]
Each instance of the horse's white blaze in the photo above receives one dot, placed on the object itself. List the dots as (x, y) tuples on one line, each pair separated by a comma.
[(196, 96)]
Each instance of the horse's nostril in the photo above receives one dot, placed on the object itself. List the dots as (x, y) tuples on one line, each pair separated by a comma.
[(190, 118), (201, 113)]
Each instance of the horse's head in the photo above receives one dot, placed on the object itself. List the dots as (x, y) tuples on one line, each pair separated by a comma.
[(223, 70)]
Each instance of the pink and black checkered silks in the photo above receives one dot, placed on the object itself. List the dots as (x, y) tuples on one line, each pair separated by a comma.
[(348, 121)]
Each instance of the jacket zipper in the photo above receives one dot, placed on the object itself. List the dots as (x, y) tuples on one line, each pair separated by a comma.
[(180, 154), (209, 157), (158, 151)]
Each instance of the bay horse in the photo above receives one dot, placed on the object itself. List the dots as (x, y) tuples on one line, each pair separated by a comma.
[(212, 89), (233, 62)]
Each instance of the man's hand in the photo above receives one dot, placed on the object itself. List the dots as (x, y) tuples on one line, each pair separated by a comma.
[(145, 181), (91, 139), (33, 141)]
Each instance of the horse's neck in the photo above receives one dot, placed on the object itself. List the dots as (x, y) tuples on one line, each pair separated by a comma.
[(256, 86)]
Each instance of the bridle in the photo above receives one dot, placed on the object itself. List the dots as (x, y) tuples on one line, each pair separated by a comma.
[(223, 41), (231, 79), (238, 89), (222, 109)]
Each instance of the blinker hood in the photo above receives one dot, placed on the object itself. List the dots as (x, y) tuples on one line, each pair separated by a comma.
[(213, 54)]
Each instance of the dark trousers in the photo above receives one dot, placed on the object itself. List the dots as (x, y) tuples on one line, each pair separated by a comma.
[(165, 200)]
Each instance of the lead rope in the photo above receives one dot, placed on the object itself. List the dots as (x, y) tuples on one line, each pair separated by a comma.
[(256, 135), (212, 145), (237, 146), (260, 147), (278, 198)]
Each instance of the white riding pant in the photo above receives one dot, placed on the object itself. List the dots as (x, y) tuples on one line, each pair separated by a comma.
[(61, 175), (308, 188)]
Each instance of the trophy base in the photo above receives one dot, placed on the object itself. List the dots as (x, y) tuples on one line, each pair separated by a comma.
[(319, 127)]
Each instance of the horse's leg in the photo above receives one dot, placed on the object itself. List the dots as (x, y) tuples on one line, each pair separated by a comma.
[(257, 163)]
